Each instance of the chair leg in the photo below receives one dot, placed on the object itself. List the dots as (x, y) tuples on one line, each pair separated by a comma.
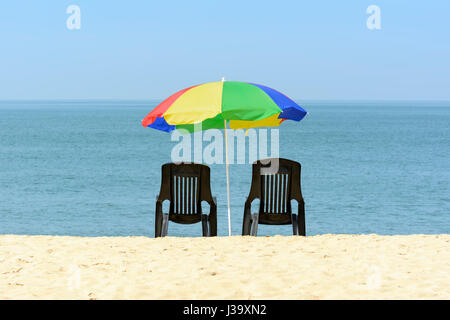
[(301, 219), (301, 225), (158, 224), (165, 225), (294, 224), (254, 226), (247, 223), (158, 217), (212, 220), (205, 225)]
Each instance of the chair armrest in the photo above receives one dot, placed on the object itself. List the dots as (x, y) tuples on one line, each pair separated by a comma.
[(301, 207), (213, 206), (159, 204), (300, 204), (160, 201), (248, 204)]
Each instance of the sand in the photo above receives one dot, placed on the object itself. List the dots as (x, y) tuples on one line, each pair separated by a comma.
[(317, 267)]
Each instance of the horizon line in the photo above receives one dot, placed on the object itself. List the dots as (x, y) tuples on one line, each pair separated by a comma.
[(162, 99)]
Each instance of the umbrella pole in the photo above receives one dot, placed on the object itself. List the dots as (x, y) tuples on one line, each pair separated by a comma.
[(228, 179)]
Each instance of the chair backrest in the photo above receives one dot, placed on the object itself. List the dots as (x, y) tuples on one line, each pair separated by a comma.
[(275, 182), (185, 185)]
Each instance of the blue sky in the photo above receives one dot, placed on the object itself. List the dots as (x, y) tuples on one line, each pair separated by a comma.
[(150, 49)]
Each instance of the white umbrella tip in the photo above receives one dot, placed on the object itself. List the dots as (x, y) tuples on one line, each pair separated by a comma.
[(223, 78)]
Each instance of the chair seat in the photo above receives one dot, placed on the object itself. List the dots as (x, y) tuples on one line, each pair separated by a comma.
[(184, 218), (275, 219)]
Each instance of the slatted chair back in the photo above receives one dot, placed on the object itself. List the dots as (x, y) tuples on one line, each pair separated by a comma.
[(275, 182), (185, 185)]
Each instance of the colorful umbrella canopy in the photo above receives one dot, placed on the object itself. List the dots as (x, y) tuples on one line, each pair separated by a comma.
[(244, 105)]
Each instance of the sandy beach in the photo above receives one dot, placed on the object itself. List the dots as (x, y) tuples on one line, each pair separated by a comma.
[(279, 267)]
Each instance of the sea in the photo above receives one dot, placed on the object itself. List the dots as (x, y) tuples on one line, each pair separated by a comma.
[(89, 168)]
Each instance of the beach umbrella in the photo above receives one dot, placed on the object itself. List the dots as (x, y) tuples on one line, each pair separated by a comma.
[(241, 105)]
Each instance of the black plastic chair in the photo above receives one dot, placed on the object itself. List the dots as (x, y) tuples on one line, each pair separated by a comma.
[(275, 185), (185, 186)]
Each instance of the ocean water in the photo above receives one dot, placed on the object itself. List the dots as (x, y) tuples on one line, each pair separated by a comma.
[(88, 168)]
